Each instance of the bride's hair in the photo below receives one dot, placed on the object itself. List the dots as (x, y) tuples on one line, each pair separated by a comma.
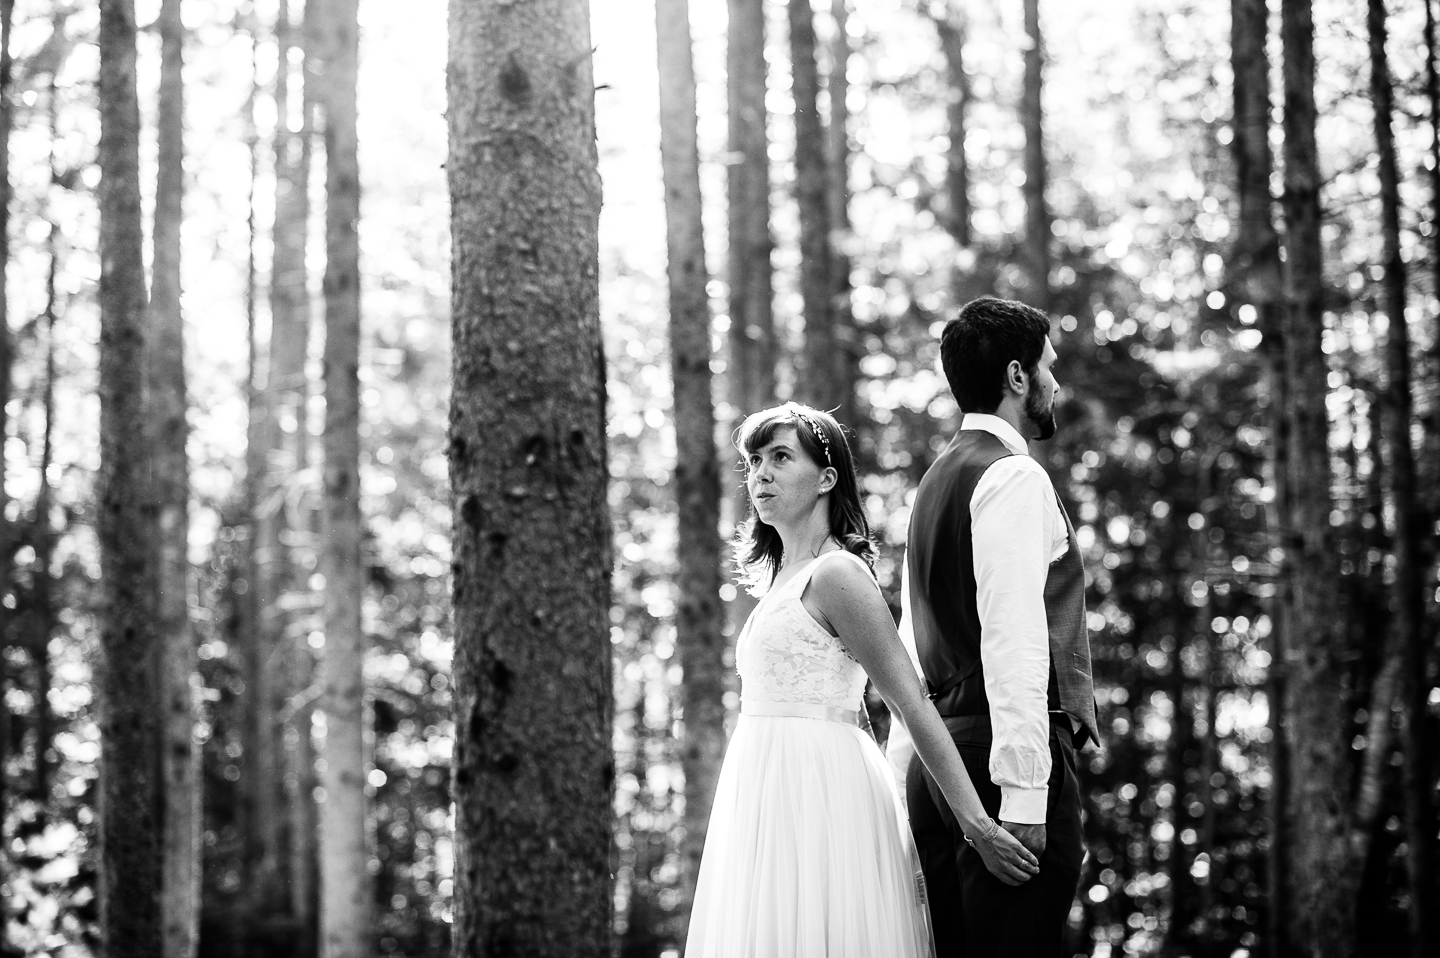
[(757, 545)]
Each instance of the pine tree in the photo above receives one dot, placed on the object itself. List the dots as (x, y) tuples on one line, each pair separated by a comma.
[(345, 902), (1035, 253), (699, 621), (533, 769), (816, 383), (165, 349), (129, 706), (1323, 880)]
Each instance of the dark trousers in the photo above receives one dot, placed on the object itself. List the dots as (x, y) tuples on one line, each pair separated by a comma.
[(975, 915)]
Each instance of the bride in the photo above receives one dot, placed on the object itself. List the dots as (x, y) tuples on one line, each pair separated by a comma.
[(808, 852)]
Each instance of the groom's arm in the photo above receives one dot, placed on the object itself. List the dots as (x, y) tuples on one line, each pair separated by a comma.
[(1007, 520)]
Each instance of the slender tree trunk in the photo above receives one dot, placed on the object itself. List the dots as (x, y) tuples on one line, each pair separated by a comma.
[(752, 321), (165, 361), (256, 726), (129, 642), (751, 367), (345, 904), (1255, 267), (1323, 877), (1432, 95), (1036, 250), (1407, 597), (817, 385), (951, 28), (1180, 941), (700, 621), (7, 15), (44, 537), (845, 361), (533, 764)]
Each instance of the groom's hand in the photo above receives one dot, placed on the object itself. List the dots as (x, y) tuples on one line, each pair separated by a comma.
[(1031, 836)]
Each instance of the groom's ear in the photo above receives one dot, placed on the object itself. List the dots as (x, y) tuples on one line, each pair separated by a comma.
[(1015, 376)]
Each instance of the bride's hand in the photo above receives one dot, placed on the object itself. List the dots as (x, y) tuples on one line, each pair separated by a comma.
[(1006, 858)]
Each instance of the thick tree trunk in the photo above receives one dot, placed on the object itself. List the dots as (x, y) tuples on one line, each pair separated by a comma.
[(699, 621), (845, 361), (815, 380), (1407, 600), (1323, 879), (1036, 251), (165, 359), (130, 701), (750, 370), (1255, 273), (345, 902), (533, 764), (951, 29)]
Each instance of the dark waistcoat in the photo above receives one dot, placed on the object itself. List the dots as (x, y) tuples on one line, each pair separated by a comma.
[(944, 615)]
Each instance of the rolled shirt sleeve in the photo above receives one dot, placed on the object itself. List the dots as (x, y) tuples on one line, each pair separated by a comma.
[(1012, 546)]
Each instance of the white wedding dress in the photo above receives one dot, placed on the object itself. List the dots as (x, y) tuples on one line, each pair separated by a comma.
[(808, 853)]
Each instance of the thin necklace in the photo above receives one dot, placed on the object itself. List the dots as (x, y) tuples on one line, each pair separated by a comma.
[(814, 553)]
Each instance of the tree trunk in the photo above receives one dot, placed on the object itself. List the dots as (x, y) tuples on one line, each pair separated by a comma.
[(951, 29), (1180, 940), (7, 15), (345, 904), (752, 323), (130, 700), (1317, 639), (1036, 251), (165, 347), (750, 370), (699, 620), (1407, 590), (533, 764), (43, 535), (845, 361), (1432, 421), (816, 383), (1255, 271)]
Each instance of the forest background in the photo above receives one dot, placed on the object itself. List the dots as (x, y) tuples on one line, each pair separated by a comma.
[(1167, 457)]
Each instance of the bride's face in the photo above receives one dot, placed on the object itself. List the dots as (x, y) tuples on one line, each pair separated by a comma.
[(782, 480)]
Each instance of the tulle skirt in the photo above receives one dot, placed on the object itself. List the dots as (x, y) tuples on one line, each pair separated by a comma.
[(808, 852)]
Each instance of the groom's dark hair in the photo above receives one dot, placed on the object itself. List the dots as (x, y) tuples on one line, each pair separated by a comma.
[(981, 341)]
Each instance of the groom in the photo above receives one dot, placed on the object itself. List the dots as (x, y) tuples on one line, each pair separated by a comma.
[(995, 598)]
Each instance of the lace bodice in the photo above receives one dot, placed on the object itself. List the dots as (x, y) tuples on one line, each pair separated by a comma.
[(784, 655)]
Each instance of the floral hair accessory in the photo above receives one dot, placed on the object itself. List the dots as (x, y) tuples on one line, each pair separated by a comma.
[(819, 434)]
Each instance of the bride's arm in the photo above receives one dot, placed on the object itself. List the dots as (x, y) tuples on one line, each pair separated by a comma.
[(851, 605)]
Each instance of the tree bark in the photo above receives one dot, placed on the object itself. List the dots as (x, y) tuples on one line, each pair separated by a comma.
[(532, 694), (750, 371), (1036, 251), (752, 322), (1323, 879), (165, 360), (129, 642), (951, 29), (44, 537), (345, 903), (845, 361), (1432, 421), (7, 15), (816, 383), (699, 622), (1407, 590), (1255, 271)]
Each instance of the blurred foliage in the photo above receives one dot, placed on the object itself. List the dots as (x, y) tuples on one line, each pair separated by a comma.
[(1161, 458)]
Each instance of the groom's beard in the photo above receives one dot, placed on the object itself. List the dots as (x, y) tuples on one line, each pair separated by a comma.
[(1042, 416)]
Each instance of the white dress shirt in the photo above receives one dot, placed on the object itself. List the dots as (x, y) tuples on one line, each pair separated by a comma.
[(1017, 531)]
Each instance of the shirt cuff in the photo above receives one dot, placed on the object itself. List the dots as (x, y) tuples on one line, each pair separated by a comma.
[(1023, 806)]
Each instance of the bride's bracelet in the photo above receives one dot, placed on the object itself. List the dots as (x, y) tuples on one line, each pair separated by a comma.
[(992, 828)]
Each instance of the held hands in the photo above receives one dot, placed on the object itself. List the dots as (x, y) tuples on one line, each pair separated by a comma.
[(1031, 836), (1004, 855)]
